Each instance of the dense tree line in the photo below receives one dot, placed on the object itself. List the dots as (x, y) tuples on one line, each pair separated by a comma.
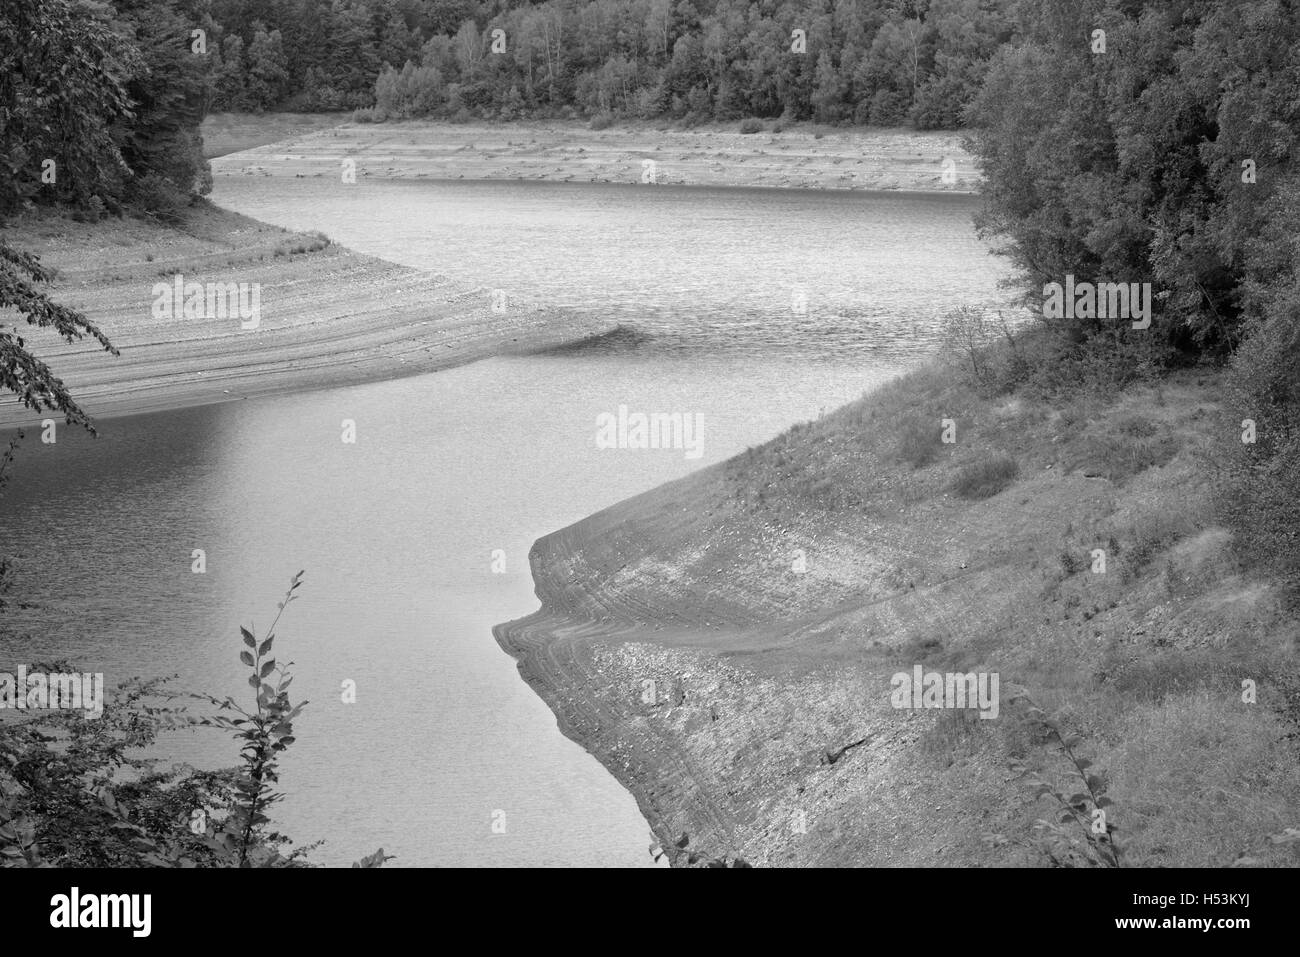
[(883, 62), (100, 106), (1158, 143)]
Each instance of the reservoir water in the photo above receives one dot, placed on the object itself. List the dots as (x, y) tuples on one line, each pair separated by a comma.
[(751, 309)]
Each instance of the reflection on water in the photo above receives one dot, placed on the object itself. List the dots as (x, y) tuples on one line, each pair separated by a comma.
[(397, 532)]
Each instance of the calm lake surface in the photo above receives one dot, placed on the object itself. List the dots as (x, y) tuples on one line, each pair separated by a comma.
[(754, 309)]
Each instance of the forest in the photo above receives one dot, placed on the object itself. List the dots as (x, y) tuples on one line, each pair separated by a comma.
[(877, 62)]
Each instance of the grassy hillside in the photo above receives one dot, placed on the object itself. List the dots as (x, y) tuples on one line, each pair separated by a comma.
[(975, 555)]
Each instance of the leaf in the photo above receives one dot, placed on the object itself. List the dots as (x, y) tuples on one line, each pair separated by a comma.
[(253, 680), (1083, 764), (1096, 783), (248, 637), (265, 647), (268, 667), (373, 860), (246, 658)]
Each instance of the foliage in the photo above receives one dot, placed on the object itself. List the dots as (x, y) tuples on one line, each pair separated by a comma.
[(6, 462), (21, 372), (968, 333), (76, 792), (1165, 159), (263, 735), (865, 60), (161, 145), (1080, 814), (986, 477), (63, 86), (1258, 475), (100, 107), (918, 439)]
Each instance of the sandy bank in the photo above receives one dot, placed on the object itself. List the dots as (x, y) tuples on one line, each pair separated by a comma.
[(725, 643), (327, 316), (569, 151)]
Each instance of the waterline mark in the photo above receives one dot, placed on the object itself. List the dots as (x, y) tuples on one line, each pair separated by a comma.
[(39, 691)]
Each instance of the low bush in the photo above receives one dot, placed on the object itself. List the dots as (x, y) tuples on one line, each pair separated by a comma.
[(918, 440), (1257, 455), (986, 477)]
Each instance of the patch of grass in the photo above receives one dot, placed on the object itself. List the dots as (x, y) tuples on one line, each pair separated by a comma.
[(751, 125), (1152, 533), (1201, 778), (918, 440), (1153, 674), (1131, 446), (314, 241), (952, 733), (986, 477), (1070, 563)]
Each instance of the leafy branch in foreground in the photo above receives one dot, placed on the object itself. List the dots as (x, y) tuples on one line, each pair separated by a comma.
[(264, 734), (6, 461), (83, 793), (21, 372), (1083, 811)]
